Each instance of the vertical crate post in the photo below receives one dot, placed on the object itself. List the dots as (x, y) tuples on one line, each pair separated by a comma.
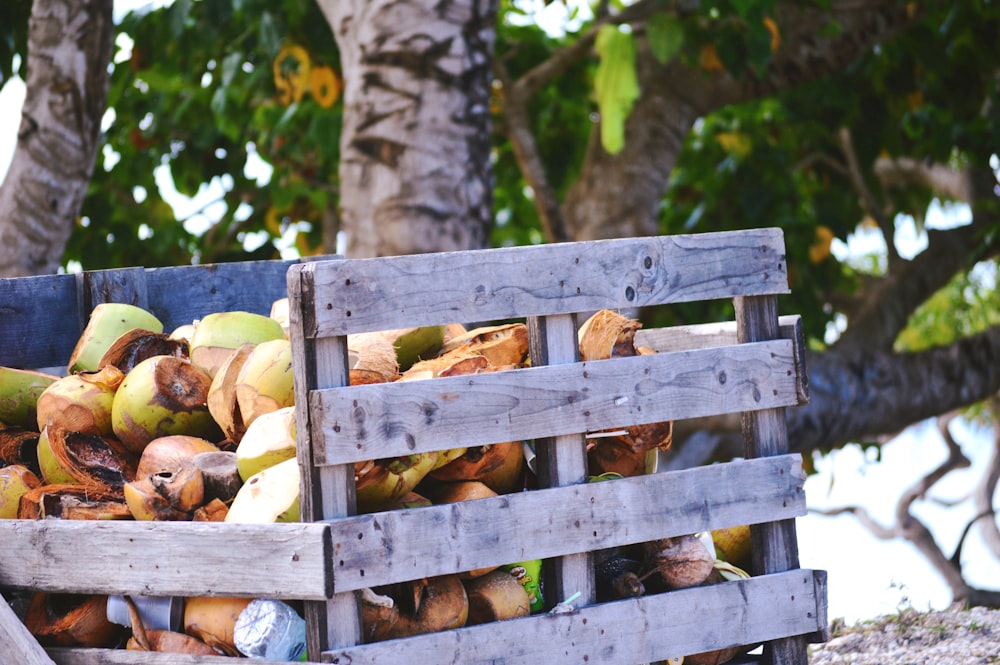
[(326, 491), (562, 460), (773, 544)]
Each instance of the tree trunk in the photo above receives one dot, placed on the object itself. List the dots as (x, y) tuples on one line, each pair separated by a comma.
[(415, 145), (69, 49)]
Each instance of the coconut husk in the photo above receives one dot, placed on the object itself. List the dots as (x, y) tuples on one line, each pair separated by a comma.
[(134, 346), (91, 459), (19, 446), (607, 334), (372, 352), (69, 620), (501, 345), (680, 562), (452, 364), (73, 502)]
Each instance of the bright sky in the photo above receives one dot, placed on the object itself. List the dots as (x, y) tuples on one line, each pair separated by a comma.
[(867, 577)]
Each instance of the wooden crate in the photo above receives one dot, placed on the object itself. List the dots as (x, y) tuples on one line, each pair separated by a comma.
[(752, 365)]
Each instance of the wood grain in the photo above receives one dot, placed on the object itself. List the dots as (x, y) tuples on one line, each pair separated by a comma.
[(516, 282), (166, 558), (41, 318), (639, 630), (17, 644), (392, 419), (381, 548)]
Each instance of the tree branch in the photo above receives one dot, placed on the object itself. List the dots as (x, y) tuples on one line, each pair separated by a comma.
[(891, 300), (860, 395), (910, 528), (877, 210), (942, 179), (986, 489)]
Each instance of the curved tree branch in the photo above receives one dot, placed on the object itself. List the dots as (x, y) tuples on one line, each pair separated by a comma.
[(891, 300), (69, 49)]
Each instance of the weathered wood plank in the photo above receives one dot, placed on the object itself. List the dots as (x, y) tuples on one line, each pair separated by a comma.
[(42, 317), (516, 282), (67, 656), (638, 630), (562, 459), (774, 545), (392, 419), (166, 558), (17, 645), (400, 545), (326, 492), (709, 335)]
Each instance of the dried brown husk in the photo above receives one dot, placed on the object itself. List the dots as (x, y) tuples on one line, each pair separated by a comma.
[(221, 400), (452, 364), (498, 465), (423, 606), (135, 345), (73, 502), (71, 620), (681, 562), (625, 450), (80, 402), (501, 345), (169, 453), (92, 460), (607, 334), (373, 352), (19, 446)]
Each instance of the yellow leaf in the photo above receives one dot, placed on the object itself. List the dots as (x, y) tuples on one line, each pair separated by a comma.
[(272, 221), (324, 85), (734, 142), (772, 27), (291, 73), (915, 99), (709, 59), (820, 249)]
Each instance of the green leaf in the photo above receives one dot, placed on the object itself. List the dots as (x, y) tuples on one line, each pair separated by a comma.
[(615, 84), (666, 36)]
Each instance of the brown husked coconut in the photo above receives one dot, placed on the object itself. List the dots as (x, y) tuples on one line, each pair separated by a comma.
[(72, 620), (135, 345), (496, 596), (73, 502), (162, 641), (372, 352), (221, 400), (80, 402), (501, 345), (607, 334), (498, 465), (681, 562), (414, 608), (91, 460)]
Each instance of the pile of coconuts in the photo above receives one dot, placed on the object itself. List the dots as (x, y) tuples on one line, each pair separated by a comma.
[(199, 424)]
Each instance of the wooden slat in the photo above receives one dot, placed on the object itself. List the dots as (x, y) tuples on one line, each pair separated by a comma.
[(409, 544), (638, 630), (709, 335), (561, 460), (166, 558), (516, 282), (17, 645), (68, 656), (774, 545), (42, 317), (326, 492), (630, 631), (393, 419)]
